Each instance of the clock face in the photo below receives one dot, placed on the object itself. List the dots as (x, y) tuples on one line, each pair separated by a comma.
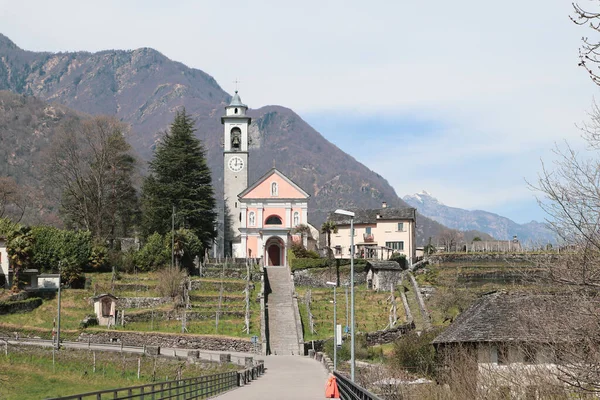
[(236, 164)]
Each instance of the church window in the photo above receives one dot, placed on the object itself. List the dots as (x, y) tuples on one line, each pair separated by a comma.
[(251, 218), (274, 189), (235, 204), (236, 139), (273, 220), (235, 111), (296, 218)]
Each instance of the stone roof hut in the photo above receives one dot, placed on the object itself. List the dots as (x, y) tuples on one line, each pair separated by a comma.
[(382, 274)]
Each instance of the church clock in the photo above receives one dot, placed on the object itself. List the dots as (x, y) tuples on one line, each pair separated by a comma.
[(236, 164)]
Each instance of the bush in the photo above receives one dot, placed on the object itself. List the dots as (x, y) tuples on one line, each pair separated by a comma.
[(11, 307), (400, 259), (153, 255), (306, 263), (361, 350), (415, 353), (53, 247), (301, 252), (170, 281)]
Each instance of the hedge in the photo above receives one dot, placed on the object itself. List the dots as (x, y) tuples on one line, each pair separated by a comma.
[(306, 263), (12, 307)]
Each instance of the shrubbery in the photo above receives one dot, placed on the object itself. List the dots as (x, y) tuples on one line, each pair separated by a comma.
[(11, 307), (301, 252), (415, 352), (306, 263)]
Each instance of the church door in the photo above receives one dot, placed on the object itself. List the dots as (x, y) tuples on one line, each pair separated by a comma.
[(274, 255)]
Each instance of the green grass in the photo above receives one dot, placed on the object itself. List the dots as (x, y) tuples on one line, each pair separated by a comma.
[(76, 304), (372, 310), (29, 373)]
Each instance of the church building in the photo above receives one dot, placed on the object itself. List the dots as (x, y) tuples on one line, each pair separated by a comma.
[(258, 219)]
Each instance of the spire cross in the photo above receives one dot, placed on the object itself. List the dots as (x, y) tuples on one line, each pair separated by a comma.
[(236, 84)]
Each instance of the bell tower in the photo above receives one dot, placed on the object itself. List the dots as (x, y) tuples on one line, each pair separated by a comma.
[(235, 175)]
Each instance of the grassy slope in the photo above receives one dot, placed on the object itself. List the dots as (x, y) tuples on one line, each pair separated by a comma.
[(372, 310), (75, 305), (28, 372)]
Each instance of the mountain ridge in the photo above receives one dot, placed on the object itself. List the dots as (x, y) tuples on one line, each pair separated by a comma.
[(144, 88), (498, 226)]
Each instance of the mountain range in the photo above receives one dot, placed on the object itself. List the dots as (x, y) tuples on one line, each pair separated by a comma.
[(144, 88), (502, 228)]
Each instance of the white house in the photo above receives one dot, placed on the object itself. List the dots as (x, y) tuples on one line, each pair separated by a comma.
[(378, 233)]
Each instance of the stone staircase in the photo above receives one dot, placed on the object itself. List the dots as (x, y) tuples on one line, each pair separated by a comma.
[(283, 332)]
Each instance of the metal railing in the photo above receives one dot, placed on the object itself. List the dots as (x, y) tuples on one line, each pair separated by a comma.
[(191, 388), (351, 391)]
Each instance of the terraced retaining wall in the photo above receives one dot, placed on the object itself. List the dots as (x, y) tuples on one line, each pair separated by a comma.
[(203, 342)]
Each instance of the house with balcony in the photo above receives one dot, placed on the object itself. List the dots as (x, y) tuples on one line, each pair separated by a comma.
[(378, 233)]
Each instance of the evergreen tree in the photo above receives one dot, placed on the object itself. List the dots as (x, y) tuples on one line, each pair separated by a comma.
[(180, 177)]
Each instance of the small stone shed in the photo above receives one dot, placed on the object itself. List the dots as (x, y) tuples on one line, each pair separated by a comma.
[(382, 274), (105, 307)]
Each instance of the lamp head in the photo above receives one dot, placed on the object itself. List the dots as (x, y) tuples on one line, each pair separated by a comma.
[(344, 212)]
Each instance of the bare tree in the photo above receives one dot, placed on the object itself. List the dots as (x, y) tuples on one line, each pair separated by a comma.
[(450, 239), (13, 199), (90, 164)]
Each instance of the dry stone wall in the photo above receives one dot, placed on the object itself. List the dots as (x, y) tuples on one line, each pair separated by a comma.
[(215, 343), (142, 302), (319, 277)]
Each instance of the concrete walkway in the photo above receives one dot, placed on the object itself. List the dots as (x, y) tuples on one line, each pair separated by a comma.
[(287, 377)]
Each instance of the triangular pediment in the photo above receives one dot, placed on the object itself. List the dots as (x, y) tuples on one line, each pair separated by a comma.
[(263, 188)]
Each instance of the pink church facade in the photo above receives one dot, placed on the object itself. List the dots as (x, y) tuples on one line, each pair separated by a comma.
[(270, 210)]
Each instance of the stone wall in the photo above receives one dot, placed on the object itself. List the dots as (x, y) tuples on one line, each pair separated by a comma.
[(318, 277), (388, 335), (142, 302), (146, 316), (474, 257), (215, 343)]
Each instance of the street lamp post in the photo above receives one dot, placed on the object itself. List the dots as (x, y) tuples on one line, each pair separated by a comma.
[(335, 338), (58, 318), (352, 359)]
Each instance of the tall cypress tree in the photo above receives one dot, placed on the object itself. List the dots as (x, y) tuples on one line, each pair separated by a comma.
[(180, 177)]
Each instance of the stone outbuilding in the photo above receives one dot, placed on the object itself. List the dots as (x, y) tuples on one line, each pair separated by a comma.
[(105, 307), (382, 274)]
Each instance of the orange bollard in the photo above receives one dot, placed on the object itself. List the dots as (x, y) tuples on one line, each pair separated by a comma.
[(331, 388)]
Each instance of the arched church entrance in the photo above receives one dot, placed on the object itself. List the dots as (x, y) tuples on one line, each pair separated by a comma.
[(274, 249)]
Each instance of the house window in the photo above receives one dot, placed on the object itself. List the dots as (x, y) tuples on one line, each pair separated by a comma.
[(273, 220), (338, 250), (274, 189), (251, 218), (368, 230), (400, 226), (395, 245), (296, 218), (499, 354)]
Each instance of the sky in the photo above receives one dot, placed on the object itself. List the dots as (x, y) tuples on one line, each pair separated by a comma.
[(463, 99)]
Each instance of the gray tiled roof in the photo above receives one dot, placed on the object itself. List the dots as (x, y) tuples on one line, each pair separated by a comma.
[(502, 317), (372, 216)]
